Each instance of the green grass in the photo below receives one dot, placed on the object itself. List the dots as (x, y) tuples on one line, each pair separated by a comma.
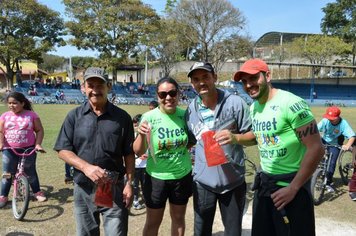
[(56, 215)]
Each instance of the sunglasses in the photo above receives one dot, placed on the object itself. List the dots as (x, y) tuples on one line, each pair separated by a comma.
[(163, 95)]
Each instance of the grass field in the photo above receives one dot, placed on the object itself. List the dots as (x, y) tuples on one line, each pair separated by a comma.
[(55, 216)]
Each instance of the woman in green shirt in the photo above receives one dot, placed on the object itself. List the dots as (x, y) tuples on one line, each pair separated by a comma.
[(163, 132)]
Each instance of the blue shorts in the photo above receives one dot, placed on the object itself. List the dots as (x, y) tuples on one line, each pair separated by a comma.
[(157, 191)]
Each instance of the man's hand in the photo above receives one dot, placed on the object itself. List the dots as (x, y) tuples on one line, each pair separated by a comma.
[(283, 196), (127, 195), (224, 137), (95, 173)]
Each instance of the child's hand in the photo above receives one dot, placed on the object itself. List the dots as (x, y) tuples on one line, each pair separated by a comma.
[(39, 148), (143, 157)]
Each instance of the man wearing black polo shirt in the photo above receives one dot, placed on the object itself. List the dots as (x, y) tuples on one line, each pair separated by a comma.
[(96, 138)]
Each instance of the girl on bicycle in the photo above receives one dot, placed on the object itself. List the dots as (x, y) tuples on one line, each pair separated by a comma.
[(20, 128)]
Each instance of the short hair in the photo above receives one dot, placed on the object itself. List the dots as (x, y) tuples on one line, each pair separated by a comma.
[(153, 104), (136, 118)]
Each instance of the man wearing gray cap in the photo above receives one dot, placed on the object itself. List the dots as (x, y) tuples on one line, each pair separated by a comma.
[(219, 123), (96, 139)]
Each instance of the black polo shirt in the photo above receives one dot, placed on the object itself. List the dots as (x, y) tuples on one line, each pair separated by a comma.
[(100, 140)]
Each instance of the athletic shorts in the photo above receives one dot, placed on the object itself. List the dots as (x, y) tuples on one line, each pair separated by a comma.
[(157, 191)]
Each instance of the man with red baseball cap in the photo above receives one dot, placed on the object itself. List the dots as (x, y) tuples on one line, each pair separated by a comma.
[(290, 150), (335, 129)]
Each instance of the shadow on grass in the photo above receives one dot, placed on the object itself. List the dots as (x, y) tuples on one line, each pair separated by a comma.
[(44, 213), (62, 195), (244, 233), (19, 234)]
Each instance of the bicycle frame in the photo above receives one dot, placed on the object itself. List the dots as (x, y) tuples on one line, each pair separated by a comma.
[(21, 185), (319, 178)]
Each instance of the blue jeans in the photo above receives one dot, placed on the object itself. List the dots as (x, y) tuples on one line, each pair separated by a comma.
[(67, 168), (9, 164), (140, 174), (332, 163), (231, 206), (87, 214)]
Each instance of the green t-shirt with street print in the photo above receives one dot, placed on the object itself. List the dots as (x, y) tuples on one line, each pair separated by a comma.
[(274, 124), (168, 156)]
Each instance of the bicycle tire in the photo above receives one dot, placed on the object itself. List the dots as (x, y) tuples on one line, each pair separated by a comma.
[(345, 166), (21, 198), (318, 186)]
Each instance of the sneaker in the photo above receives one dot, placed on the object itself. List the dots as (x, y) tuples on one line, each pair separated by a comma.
[(138, 206), (3, 201), (40, 196), (352, 196), (68, 180), (329, 189)]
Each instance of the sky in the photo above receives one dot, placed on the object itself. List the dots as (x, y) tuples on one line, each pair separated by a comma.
[(262, 16)]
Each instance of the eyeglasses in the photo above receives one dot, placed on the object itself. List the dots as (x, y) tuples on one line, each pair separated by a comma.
[(163, 95)]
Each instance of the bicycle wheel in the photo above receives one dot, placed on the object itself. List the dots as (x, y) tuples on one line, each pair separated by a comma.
[(21, 197), (318, 186), (345, 166)]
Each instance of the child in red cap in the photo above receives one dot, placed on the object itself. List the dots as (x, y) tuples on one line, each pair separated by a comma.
[(335, 129)]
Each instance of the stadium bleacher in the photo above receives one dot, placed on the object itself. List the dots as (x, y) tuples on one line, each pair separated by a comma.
[(325, 94)]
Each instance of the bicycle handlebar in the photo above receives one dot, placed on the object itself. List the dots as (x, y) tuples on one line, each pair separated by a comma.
[(326, 145), (27, 151)]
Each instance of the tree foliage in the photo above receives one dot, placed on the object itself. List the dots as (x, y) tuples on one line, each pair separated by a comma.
[(318, 49), (170, 44), (232, 48), (51, 62), (340, 20), (28, 29), (114, 28), (209, 22)]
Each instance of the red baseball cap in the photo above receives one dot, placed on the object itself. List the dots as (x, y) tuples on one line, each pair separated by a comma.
[(252, 67), (332, 113)]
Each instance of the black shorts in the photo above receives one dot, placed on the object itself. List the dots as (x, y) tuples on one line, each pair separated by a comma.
[(157, 191)]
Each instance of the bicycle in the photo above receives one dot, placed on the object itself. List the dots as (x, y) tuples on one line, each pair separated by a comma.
[(319, 179), (21, 190), (346, 167)]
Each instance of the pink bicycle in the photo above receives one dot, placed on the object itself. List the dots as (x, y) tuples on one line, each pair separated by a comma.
[(21, 187)]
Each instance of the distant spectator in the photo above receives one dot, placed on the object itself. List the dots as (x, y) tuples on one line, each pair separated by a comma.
[(77, 83), (48, 83), (32, 90), (61, 95), (58, 94)]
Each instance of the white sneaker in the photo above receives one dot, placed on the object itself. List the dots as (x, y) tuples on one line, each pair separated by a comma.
[(353, 196), (329, 189)]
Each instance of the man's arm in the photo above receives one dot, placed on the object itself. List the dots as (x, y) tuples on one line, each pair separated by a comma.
[(130, 171), (95, 173), (310, 137), (226, 137)]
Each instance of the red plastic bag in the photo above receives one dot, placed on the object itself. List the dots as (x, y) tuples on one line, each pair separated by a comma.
[(214, 154), (103, 195)]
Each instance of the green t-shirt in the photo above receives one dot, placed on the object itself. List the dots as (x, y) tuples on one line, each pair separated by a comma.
[(171, 159), (274, 124)]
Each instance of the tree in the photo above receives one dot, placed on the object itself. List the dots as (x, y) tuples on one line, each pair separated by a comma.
[(51, 62), (232, 48), (114, 28), (209, 23), (318, 49), (340, 20), (169, 44), (28, 29)]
